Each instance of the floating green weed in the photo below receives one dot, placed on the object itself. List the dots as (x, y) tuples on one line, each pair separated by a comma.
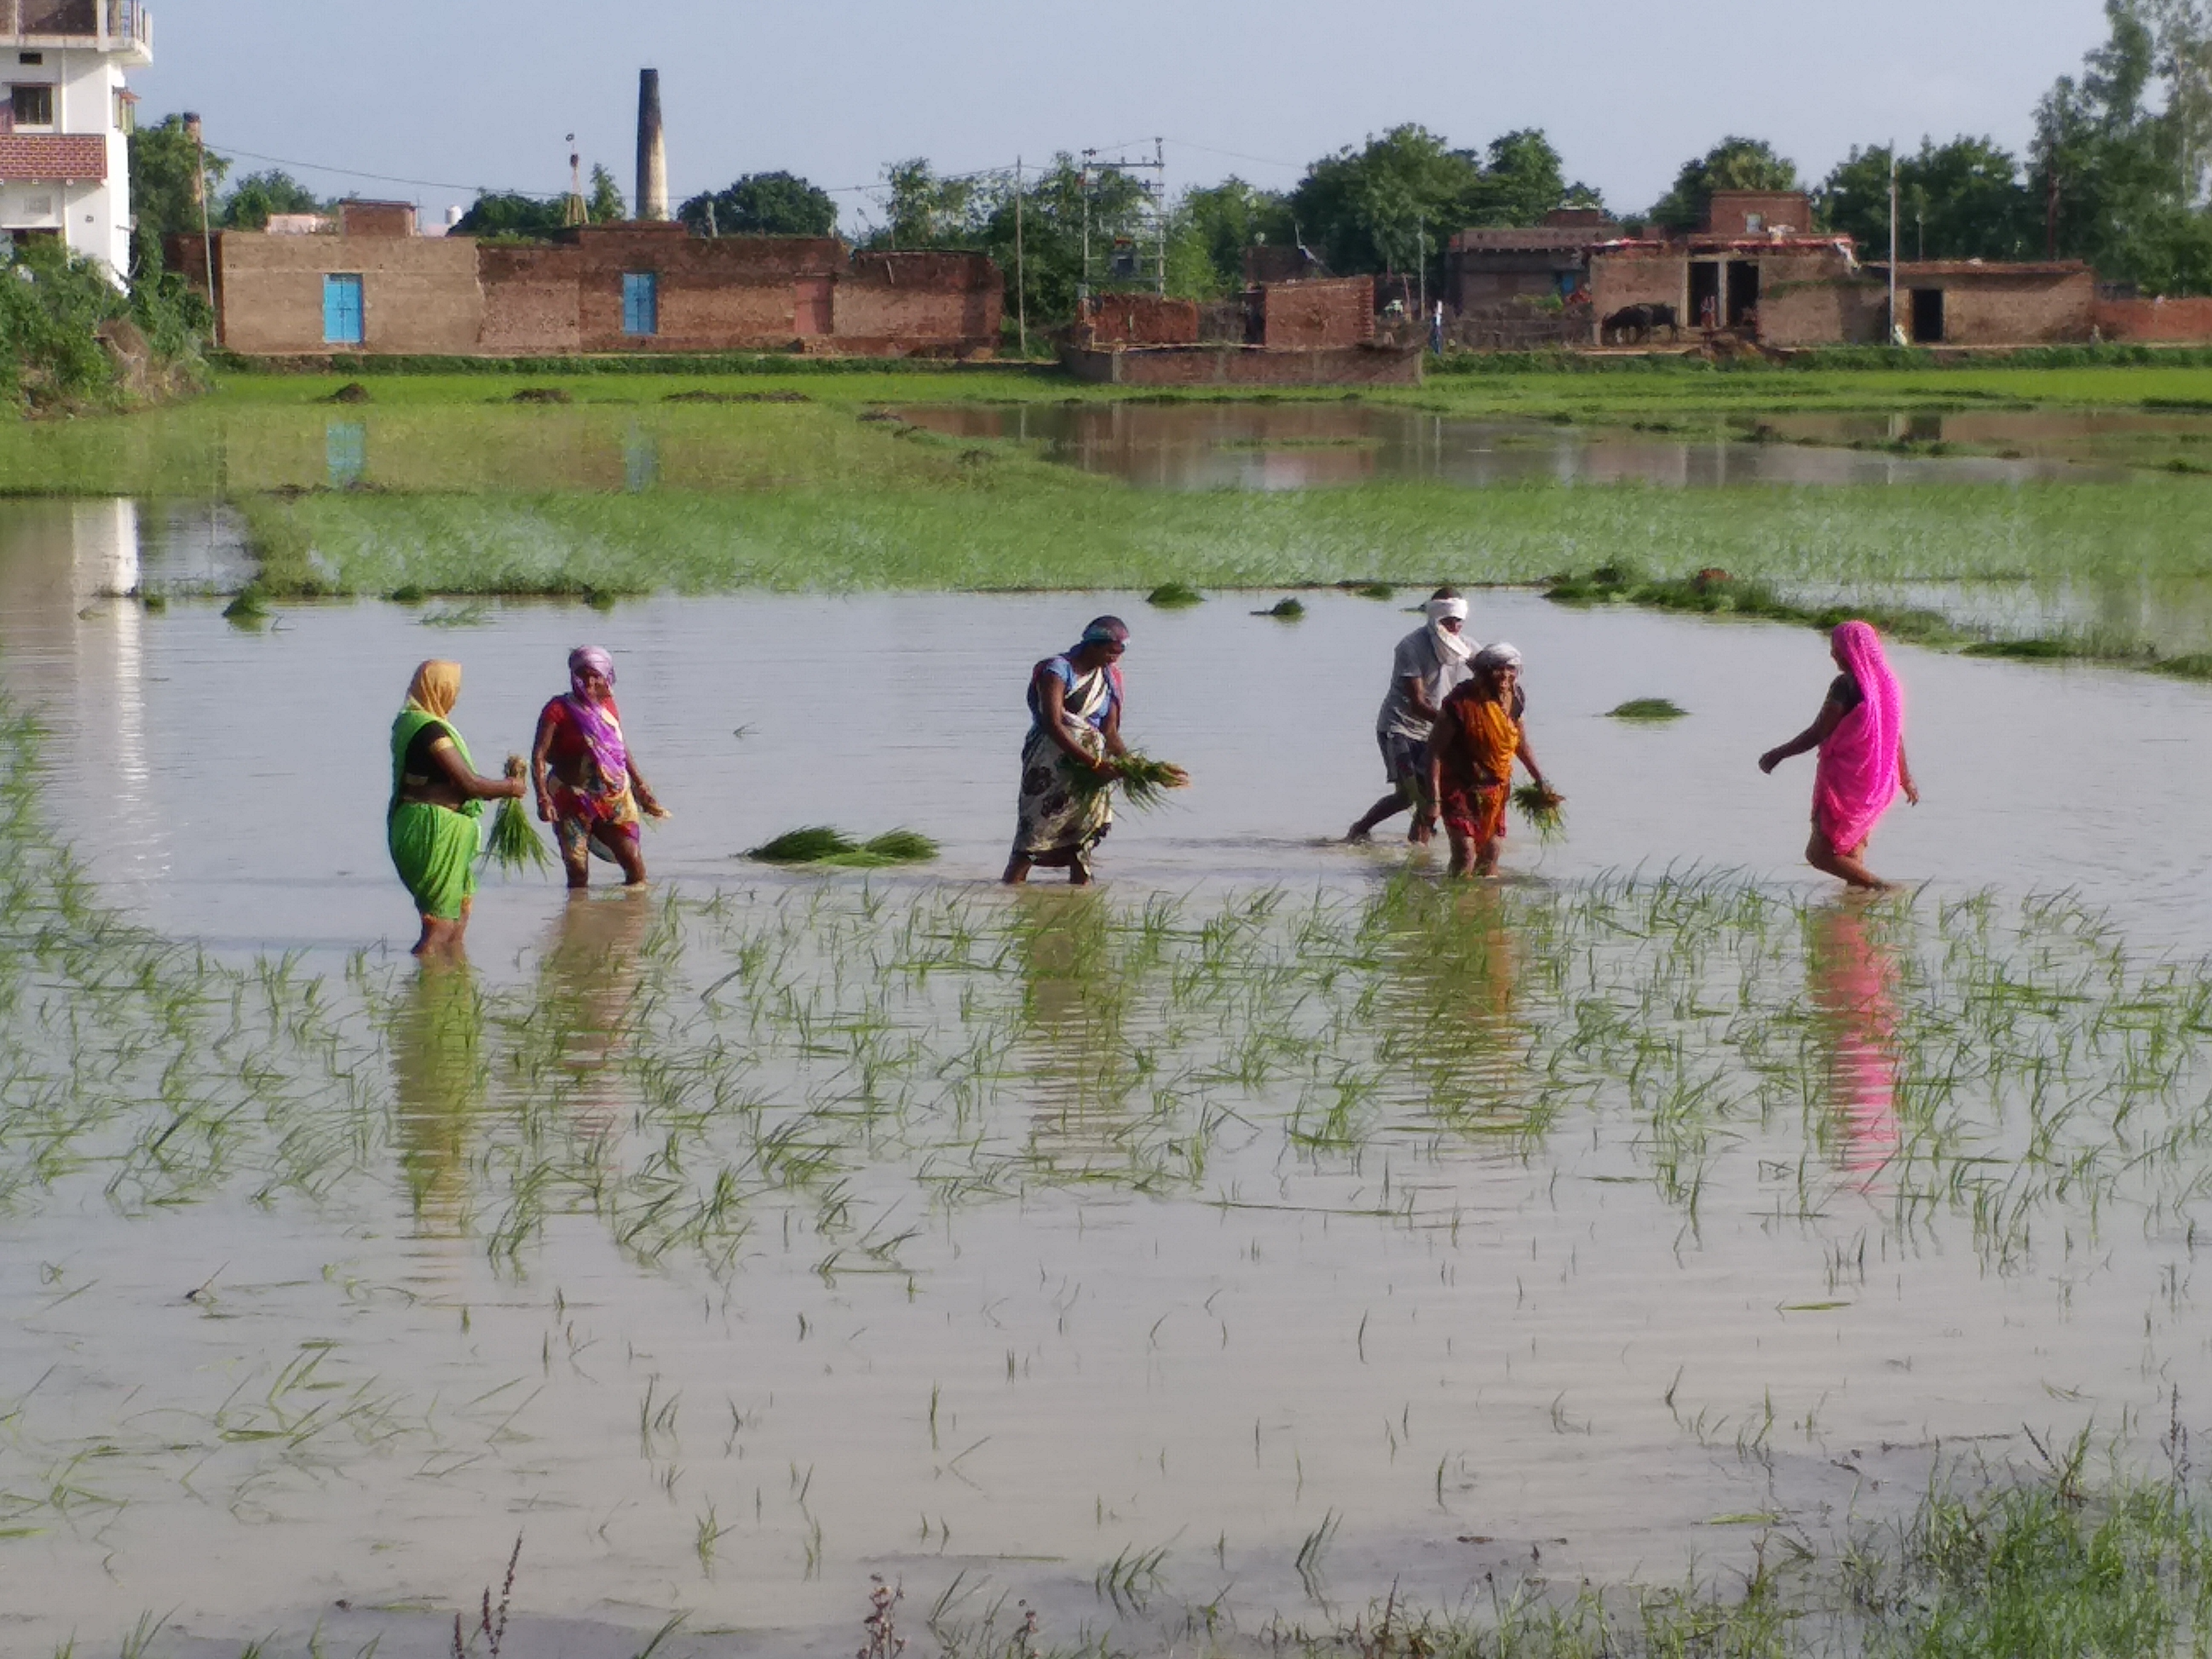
[(1289, 609), (1174, 596), (1647, 708)]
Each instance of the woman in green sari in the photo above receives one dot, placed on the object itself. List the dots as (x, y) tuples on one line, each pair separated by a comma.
[(437, 797)]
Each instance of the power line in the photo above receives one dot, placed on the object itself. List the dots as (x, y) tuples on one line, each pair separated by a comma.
[(383, 178)]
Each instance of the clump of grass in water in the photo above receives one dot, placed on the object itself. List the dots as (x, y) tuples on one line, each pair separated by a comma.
[(250, 609), (1174, 596), (462, 615), (829, 847), (1541, 808), (1369, 590), (1290, 610), (1647, 708), (1144, 781)]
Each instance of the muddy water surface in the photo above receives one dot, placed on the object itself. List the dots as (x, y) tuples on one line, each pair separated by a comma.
[(1255, 1232)]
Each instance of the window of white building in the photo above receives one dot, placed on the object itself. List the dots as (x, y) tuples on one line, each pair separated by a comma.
[(33, 104)]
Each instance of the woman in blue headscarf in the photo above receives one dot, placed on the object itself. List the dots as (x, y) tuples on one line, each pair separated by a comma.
[(1075, 732)]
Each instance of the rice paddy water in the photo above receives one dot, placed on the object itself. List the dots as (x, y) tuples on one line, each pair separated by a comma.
[(1271, 1239)]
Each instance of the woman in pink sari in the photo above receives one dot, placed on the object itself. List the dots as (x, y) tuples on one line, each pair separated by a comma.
[(1860, 732), (589, 788)]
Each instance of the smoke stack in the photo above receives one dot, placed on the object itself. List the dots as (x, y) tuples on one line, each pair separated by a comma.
[(652, 149), (199, 172)]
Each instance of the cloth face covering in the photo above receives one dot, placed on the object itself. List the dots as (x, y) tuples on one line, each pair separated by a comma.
[(602, 731), (1857, 776), (1451, 647)]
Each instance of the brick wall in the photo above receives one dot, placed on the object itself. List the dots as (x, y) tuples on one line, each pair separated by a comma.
[(2179, 322), (1140, 319), (1816, 298), (1181, 366), (1640, 279), (891, 304), (1994, 306), (418, 295), (529, 300), (376, 218), (1316, 316), (1731, 211)]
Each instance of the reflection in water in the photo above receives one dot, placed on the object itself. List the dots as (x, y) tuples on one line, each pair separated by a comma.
[(345, 453), (436, 1034), (1449, 949), (1851, 974), (1077, 995), (640, 460), (1300, 445), (588, 983)]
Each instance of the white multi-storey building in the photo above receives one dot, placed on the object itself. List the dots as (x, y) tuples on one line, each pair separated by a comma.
[(65, 122)]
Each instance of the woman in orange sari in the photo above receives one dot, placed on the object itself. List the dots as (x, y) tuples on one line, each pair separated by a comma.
[(1471, 754)]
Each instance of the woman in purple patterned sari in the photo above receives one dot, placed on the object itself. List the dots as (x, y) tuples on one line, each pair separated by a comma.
[(589, 788)]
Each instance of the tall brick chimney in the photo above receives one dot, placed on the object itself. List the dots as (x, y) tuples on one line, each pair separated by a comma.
[(652, 149)]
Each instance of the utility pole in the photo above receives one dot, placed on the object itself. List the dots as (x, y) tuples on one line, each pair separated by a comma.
[(2050, 209), (1160, 204), (200, 195), (1421, 269), (1896, 331), (1021, 275), (1083, 289)]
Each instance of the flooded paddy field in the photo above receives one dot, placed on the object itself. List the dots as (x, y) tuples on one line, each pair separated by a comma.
[(1211, 1257)]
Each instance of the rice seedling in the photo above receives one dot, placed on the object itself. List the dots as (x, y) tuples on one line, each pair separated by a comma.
[(249, 608), (514, 843), (458, 616), (1174, 596), (1144, 782), (1285, 609), (825, 847), (1647, 708), (1540, 809)]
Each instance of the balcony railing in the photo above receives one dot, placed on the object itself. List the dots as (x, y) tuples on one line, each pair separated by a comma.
[(113, 23)]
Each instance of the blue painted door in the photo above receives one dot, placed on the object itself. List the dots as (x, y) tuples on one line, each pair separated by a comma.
[(640, 302), (342, 311)]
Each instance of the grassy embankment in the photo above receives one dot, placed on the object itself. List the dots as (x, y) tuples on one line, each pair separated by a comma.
[(796, 479)]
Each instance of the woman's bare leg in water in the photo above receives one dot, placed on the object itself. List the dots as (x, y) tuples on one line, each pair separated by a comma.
[(1822, 855)]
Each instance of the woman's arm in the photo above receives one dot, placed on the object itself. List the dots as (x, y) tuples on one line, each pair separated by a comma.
[(466, 783), (1904, 774), (643, 791), (1112, 730), (1831, 714), (540, 752), (1529, 759)]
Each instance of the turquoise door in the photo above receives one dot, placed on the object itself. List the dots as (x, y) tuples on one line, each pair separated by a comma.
[(640, 302), (342, 311)]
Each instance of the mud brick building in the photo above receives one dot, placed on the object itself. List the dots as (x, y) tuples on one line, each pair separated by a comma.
[(1493, 266), (641, 286), (1314, 332)]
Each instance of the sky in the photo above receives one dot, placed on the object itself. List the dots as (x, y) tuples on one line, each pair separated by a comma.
[(446, 96)]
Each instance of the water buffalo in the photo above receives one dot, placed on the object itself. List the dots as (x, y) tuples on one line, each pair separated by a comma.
[(1640, 321)]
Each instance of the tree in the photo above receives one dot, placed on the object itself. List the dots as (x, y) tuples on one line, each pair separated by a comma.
[(1523, 180), (1732, 164), (1212, 229), (163, 159), (257, 195), (1372, 208), (763, 205), (1963, 200), (604, 204), (515, 217), (927, 211)]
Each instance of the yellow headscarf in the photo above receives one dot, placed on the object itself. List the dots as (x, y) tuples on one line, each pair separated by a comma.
[(436, 688)]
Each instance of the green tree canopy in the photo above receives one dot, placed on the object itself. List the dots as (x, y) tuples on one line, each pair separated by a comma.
[(1734, 163), (1372, 208), (926, 210), (604, 205), (257, 195), (764, 204), (1963, 200), (1213, 227), (162, 161), (506, 214)]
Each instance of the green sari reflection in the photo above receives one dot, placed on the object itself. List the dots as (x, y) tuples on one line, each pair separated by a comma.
[(436, 1039)]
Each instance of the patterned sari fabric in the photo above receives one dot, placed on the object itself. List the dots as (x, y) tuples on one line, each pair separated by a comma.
[(1052, 815), (598, 809), (1475, 742)]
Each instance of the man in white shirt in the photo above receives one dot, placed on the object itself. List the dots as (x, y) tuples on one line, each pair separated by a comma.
[(1428, 663)]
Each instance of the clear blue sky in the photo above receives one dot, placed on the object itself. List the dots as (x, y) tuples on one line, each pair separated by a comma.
[(480, 91)]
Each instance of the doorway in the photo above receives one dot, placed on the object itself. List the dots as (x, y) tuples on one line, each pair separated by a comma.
[(1927, 316), (1705, 294), (812, 307), (1743, 293)]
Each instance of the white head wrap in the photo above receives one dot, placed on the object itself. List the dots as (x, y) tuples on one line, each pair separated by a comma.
[(1451, 647), (1499, 655)]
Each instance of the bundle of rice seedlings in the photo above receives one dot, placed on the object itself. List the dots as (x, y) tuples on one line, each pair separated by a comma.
[(1171, 596), (1538, 805), (514, 843), (1647, 708), (826, 847), (1144, 781), (810, 845), (250, 609), (1284, 610)]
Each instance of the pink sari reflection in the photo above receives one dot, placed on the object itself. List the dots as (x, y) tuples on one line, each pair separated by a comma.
[(1852, 979)]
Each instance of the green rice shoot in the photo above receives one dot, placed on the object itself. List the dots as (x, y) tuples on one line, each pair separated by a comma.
[(1290, 610), (1144, 782), (1541, 808), (825, 847), (514, 843), (1174, 596), (1647, 709)]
